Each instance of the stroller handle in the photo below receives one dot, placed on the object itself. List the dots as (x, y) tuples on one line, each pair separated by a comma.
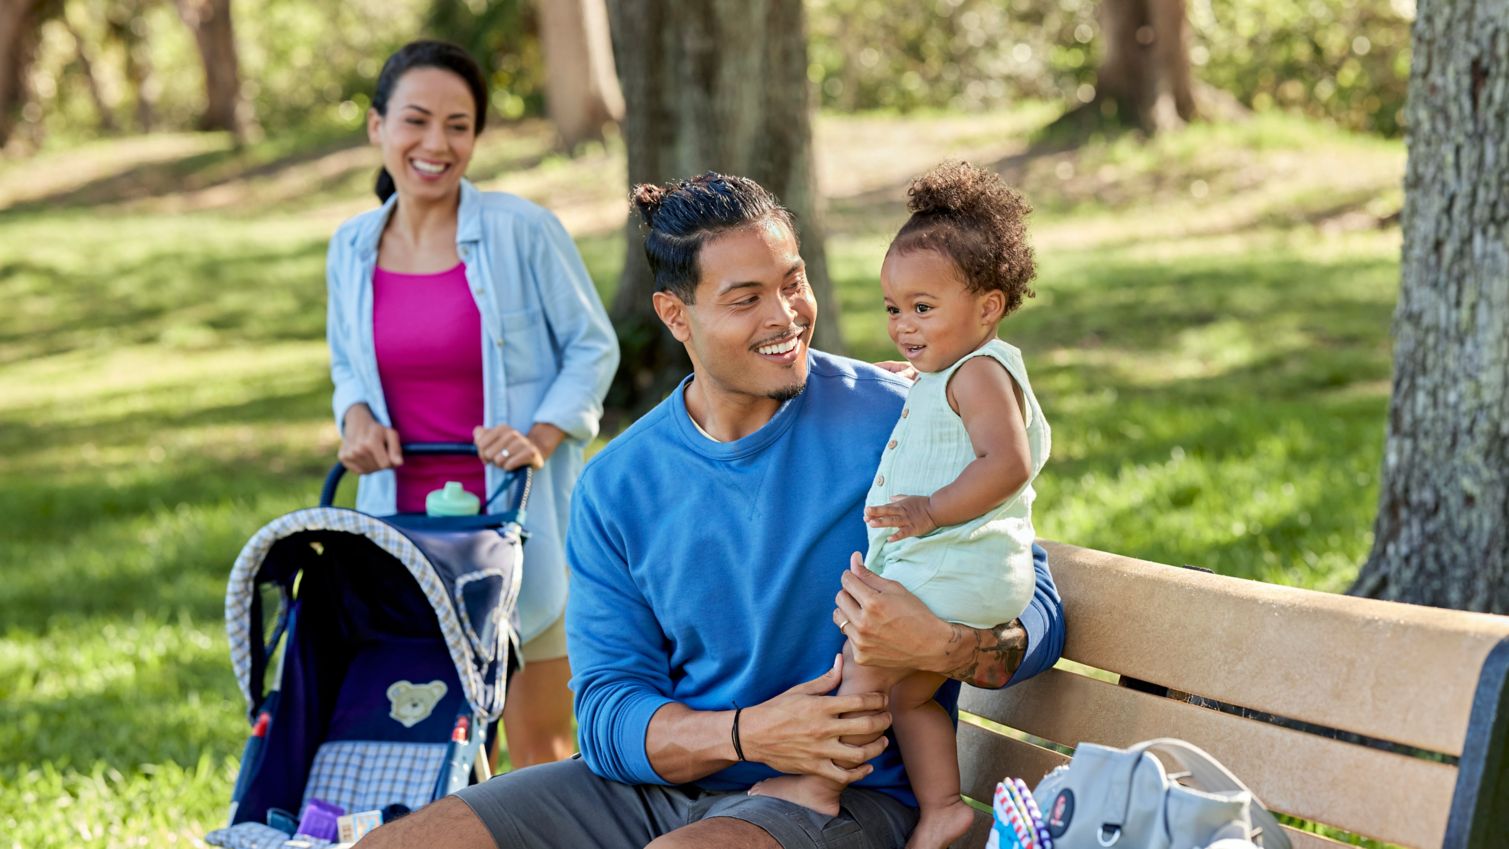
[(338, 471)]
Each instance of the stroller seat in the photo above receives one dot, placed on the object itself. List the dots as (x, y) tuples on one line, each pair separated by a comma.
[(390, 727), (373, 652)]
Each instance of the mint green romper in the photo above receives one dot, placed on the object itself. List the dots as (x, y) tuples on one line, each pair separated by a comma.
[(978, 573)]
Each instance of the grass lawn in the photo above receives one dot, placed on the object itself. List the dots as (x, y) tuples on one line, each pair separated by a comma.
[(1210, 341)]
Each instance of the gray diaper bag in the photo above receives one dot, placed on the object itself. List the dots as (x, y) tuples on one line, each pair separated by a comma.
[(1130, 798)]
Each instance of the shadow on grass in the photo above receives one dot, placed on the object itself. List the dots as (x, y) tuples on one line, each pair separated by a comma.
[(504, 150), (247, 295)]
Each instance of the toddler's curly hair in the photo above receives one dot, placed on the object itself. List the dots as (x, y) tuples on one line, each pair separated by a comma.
[(971, 216)]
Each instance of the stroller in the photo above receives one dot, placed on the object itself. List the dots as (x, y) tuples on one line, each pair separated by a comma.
[(374, 655)]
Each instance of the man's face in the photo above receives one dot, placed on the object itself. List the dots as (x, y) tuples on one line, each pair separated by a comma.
[(749, 328)]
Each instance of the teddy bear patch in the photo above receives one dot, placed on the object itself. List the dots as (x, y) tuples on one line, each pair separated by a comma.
[(413, 703)]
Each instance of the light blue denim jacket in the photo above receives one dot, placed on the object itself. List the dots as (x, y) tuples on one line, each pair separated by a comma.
[(549, 354)]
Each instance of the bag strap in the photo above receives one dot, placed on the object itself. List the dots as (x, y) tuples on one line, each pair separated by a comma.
[(1210, 775)]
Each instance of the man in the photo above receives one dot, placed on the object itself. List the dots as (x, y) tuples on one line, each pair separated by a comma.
[(706, 544)]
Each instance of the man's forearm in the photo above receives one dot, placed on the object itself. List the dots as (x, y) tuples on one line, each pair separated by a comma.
[(985, 657), (685, 745)]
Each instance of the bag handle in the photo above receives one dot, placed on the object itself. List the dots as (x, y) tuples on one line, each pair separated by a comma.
[(1211, 775)]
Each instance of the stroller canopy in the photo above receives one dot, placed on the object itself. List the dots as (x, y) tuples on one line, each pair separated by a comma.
[(469, 578)]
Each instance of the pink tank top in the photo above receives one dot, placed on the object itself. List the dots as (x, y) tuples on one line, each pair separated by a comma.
[(428, 336)]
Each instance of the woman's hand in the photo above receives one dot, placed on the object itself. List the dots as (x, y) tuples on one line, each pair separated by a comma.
[(366, 445), (509, 449)]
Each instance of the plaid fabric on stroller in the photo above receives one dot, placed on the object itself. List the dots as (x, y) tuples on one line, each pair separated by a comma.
[(374, 655)]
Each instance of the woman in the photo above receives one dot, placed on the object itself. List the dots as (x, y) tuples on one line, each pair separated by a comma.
[(461, 315)]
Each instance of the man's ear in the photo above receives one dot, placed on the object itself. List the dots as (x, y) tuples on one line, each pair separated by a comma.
[(374, 126), (992, 307), (672, 311)]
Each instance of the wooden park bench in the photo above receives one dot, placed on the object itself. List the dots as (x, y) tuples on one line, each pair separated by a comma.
[(1385, 720)]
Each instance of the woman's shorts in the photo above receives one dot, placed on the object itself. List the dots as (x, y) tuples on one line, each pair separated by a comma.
[(549, 644)]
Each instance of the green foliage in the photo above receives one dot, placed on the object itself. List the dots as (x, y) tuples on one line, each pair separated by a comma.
[(1210, 340), (1344, 60)]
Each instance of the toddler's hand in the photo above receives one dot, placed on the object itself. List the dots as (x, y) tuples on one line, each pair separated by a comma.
[(908, 514)]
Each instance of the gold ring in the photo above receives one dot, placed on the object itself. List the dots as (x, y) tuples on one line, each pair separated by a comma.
[(842, 625)]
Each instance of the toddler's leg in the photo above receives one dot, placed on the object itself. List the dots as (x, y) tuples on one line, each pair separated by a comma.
[(930, 752), (816, 792)]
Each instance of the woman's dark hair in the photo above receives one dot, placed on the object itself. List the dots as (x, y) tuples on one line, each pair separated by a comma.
[(427, 54), (682, 215), (971, 216)]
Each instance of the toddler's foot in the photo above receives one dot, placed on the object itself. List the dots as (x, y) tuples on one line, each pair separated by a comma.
[(939, 827), (804, 790)]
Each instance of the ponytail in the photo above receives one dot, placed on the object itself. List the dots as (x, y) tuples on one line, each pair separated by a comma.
[(385, 186)]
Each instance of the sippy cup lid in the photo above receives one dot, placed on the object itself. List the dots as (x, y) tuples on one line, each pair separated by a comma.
[(452, 500)]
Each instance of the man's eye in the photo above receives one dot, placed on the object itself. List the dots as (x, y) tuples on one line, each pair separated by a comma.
[(415, 122), (746, 302)]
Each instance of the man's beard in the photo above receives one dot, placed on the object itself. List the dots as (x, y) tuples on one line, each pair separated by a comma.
[(787, 393)]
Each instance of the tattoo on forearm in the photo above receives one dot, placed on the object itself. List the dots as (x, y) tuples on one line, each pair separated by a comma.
[(995, 657)]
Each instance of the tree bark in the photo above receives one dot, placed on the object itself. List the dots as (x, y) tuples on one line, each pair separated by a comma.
[(86, 66), (214, 35), (1442, 532), (127, 26), (20, 26), (1144, 78), (581, 84), (719, 85)]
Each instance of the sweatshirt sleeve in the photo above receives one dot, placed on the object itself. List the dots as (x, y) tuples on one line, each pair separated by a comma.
[(589, 348), (348, 388), (1043, 620), (619, 656)]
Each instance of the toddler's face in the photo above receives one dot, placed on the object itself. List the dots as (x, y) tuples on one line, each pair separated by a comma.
[(932, 316)]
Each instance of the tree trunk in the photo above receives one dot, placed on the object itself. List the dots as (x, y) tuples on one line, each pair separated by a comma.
[(1144, 77), (225, 107), (20, 25), (127, 26), (86, 66), (1442, 532), (719, 85), (581, 85)]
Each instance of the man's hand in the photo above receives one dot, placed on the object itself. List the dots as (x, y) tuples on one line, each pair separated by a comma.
[(886, 625), (366, 445), (799, 730), (889, 627), (908, 514)]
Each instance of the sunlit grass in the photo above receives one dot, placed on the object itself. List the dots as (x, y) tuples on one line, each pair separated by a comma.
[(1209, 340)]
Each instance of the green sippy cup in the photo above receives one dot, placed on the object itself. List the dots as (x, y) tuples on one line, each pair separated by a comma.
[(452, 500)]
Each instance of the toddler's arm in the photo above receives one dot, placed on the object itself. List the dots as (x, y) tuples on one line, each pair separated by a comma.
[(984, 395)]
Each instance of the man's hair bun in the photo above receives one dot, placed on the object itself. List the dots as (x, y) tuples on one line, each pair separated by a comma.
[(647, 198)]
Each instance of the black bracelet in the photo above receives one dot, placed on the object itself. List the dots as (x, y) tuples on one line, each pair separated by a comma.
[(738, 749)]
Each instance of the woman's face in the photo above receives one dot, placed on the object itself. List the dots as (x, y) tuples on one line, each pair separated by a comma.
[(428, 135)]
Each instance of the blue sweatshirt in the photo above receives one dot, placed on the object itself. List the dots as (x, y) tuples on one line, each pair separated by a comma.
[(705, 573)]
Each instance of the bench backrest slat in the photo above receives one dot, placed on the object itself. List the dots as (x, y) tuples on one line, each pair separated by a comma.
[(1364, 790), (1400, 673)]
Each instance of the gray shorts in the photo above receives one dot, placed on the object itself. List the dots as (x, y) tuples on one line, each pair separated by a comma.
[(565, 805)]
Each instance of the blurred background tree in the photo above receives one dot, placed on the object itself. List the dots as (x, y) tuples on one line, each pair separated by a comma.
[(307, 65), (721, 86)]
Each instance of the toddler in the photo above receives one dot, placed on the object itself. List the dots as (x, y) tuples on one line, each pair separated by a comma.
[(950, 511)]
